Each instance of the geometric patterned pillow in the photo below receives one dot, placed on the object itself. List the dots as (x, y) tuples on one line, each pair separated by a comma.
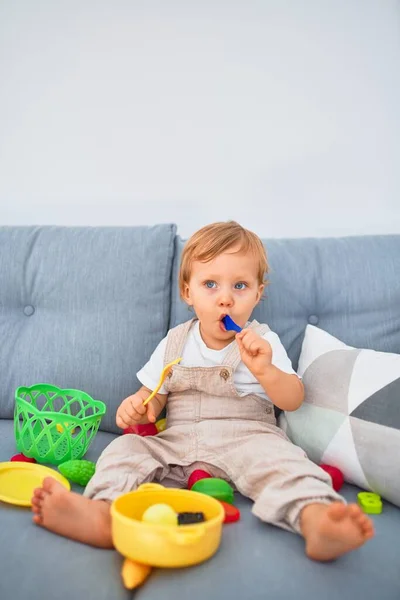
[(350, 417)]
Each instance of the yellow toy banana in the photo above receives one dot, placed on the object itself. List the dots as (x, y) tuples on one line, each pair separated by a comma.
[(134, 574)]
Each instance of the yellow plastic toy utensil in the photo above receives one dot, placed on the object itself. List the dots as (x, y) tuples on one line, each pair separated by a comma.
[(164, 374)]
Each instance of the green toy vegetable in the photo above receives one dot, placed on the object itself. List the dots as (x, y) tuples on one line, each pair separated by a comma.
[(215, 487), (78, 471)]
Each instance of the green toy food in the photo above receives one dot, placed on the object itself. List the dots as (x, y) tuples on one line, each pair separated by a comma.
[(370, 503), (215, 487), (78, 471)]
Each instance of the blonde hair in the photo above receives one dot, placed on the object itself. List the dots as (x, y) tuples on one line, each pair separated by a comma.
[(214, 239)]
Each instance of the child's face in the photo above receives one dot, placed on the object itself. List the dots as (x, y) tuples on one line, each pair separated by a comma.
[(226, 285)]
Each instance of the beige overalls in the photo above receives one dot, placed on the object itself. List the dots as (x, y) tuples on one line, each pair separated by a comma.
[(210, 426)]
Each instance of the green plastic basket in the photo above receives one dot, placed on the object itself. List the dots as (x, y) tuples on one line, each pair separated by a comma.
[(54, 425)]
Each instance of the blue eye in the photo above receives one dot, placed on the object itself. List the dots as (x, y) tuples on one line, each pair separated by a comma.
[(240, 286), (210, 284)]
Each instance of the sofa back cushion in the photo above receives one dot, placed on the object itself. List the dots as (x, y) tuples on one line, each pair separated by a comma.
[(348, 286), (82, 308)]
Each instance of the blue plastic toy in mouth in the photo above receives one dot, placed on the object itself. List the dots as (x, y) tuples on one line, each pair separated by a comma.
[(230, 325)]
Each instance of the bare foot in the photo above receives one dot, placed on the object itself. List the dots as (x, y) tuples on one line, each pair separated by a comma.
[(72, 515), (334, 529)]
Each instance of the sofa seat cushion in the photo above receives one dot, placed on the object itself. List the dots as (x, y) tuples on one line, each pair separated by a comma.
[(255, 561)]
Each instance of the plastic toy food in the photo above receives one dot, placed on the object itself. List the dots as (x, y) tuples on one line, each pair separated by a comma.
[(78, 471), (230, 324), (164, 374), (232, 513), (142, 430), (197, 475), (215, 487), (22, 458), (134, 574), (160, 514), (60, 428), (161, 425), (370, 503), (188, 518), (336, 475)]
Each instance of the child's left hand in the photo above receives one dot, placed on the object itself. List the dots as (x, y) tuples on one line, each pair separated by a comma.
[(256, 353)]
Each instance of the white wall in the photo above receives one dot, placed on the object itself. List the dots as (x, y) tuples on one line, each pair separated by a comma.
[(284, 115)]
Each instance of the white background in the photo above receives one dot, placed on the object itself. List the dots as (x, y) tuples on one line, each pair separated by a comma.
[(284, 115)]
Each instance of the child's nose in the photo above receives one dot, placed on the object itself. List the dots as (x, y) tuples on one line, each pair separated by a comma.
[(225, 299)]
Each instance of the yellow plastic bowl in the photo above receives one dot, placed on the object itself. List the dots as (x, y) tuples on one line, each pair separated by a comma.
[(166, 545)]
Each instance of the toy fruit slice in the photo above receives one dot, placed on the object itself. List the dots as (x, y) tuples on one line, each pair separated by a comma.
[(232, 513), (215, 487), (196, 476), (142, 429), (164, 374), (22, 458), (336, 476), (78, 471)]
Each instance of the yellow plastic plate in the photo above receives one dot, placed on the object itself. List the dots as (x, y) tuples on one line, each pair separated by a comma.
[(19, 479)]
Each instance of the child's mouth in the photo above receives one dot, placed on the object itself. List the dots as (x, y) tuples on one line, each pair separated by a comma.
[(221, 323)]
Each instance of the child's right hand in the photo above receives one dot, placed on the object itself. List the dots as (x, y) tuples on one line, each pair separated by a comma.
[(132, 412)]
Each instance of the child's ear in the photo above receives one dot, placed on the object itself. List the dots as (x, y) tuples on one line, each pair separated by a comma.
[(186, 295), (261, 288)]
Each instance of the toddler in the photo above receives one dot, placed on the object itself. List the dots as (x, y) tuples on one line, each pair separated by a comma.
[(220, 414)]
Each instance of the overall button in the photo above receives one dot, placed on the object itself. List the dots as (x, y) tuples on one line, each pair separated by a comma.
[(313, 320), (29, 310), (224, 373), (269, 410)]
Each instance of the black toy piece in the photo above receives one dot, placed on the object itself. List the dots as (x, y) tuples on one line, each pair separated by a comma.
[(188, 518)]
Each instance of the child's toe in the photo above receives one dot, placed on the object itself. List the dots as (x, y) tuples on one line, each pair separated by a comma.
[(368, 525), (369, 533), (354, 511), (51, 486), (362, 519), (37, 519), (337, 511), (38, 493)]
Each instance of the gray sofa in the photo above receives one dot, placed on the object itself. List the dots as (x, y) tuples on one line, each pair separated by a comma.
[(85, 307)]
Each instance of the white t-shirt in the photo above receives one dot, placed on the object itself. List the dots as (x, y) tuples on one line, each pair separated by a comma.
[(197, 354)]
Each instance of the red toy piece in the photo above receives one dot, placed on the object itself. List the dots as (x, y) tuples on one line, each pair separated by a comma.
[(232, 513), (336, 475), (142, 430), (22, 458), (196, 476)]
